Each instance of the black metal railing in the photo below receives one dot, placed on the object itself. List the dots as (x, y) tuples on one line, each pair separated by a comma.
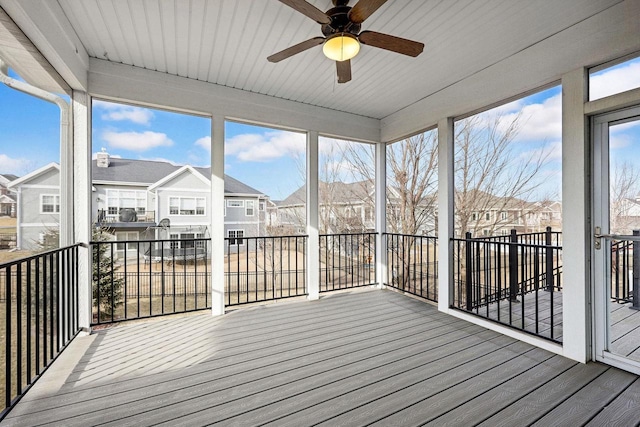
[(39, 317), (511, 282), (412, 264), (264, 268), (625, 272), (145, 278), (347, 261)]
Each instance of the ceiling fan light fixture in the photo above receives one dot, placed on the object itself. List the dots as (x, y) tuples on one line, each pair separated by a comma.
[(341, 47)]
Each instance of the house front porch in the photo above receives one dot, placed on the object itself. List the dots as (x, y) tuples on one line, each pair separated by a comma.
[(356, 358)]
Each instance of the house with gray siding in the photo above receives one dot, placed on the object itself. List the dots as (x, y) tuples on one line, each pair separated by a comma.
[(38, 206), (143, 200)]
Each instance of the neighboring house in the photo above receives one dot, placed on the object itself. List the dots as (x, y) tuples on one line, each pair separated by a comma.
[(38, 206), (625, 215), (350, 208), (487, 215), (343, 208), (149, 200), (8, 198)]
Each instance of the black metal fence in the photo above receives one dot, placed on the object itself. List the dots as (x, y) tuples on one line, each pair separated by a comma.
[(264, 268), (625, 272), (347, 261), (511, 281), (38, 317), (145, 278), (412, 264)]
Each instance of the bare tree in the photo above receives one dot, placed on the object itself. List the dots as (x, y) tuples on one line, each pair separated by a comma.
[(493, 181), (623, 194)]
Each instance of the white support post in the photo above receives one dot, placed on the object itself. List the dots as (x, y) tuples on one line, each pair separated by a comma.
[(313, 239), (576, 232), (446, 222), (67, 213), (217, 215), (381, 214), (81, 183)]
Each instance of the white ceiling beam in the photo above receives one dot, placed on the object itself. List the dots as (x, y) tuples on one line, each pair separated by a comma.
[(48, 28), (603, 37), (137, 85)]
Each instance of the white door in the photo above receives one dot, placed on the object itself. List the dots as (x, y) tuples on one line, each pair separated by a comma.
[(616, 216)]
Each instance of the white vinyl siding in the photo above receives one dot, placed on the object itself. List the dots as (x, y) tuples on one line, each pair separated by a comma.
[(49, 203)]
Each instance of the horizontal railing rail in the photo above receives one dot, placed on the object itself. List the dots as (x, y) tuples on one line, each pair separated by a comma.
[(511, 282), (39, 317), (412, 264), (259, 269), (347, 260)]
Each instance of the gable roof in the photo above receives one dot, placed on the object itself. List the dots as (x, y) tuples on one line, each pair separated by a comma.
[(7, 177), (151, 172), (341, 192), (178, 172), (35, 173)]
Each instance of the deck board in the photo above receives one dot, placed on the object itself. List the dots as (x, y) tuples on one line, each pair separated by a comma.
[(347, 359)]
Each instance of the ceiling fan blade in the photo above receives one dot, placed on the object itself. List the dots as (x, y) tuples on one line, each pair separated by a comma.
[(364, 9), (309, 10), (392, 43), (344, 71), (300, 47)]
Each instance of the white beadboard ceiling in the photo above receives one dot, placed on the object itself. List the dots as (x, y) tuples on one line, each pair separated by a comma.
[(226, 42)]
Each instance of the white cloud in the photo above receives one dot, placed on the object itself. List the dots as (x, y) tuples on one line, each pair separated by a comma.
[(539, 122), (136, 141), (121, 112), (19, 166), (204, 142), (253, 147), (614, 81)]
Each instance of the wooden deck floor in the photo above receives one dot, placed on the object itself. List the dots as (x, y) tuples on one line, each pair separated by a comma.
[(361, 358), (625, 330)]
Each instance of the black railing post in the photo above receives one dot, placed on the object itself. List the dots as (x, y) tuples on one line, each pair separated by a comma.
[(635, 303), (548, 260), (468, 271), (513, 267)]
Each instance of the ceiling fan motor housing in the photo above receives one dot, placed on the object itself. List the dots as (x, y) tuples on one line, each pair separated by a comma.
[(340, 22)]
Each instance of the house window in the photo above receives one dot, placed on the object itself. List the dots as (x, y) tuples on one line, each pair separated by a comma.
[(249, 208), (503, 215), (186, 240), (127, 238), (187, 205), (474, 216), (236, 237), (126, 199), (235, 203), (200, 244), (487, 216), (49, 203), (174, 243), (261, 206)]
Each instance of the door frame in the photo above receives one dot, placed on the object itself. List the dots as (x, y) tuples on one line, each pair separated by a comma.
[(601, 267)]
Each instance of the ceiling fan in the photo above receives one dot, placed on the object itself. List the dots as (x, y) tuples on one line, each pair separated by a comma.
[(342, 36)]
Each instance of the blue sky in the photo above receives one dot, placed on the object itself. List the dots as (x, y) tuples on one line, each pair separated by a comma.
[(267, 159)]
